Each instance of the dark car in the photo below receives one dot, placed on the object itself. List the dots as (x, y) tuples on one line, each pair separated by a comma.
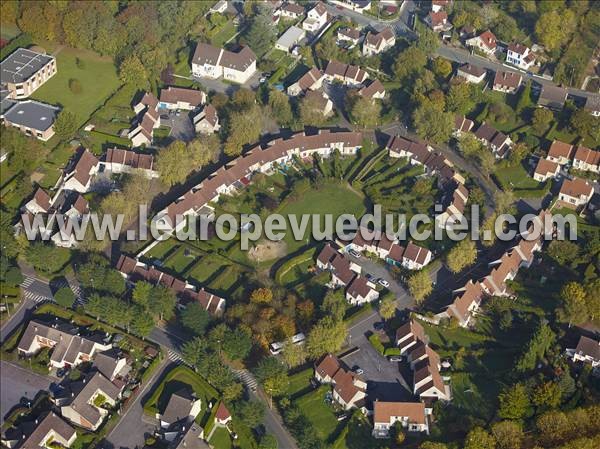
[(379, 325)]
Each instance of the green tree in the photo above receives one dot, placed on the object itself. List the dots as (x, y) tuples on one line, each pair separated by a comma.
[(563, 251), (432, 445), (237, 344), (462, 255), (293, 355), (508, 434), (514, 403), (244, 128), (478, 438), (553, 28), (161, 303), (441, 67), (419, 285), (574, 305), (251, 413), (142, 323), (524, 101), (261, 33), (65, 125), (536, 348), (64, 297), (409, 63), (280, 108), (46, 258), (387, 307), (433, 124), (328, 335), (272, 375), (141, 293), (311, 113), (460, 98), (195, 318), (133, 72), (552, 427), (541, 119), (334, 304), (173, 163), (366, 112), (546, 395)]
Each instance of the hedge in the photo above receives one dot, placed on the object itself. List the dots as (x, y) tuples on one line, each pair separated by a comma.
[(293, 262), (392, 351), (22, 40), (376, 343)]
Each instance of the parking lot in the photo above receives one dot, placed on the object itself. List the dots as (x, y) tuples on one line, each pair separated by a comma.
[(181, 124)]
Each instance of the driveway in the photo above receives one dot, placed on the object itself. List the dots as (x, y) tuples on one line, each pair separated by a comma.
[(18, 382), (181, 125), (218, 85)]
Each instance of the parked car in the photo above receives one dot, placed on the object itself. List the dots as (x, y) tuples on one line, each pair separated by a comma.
[(262, 80), (379, 325), (62, 372), (358, 370), (178, 112), (354, 254), (383, 282), (395, 358), (165, 117)]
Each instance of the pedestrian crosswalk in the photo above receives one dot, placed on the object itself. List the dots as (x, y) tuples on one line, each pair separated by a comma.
[(36, 297), (27, 282), (174, 357), (247, 378), (32, 294)]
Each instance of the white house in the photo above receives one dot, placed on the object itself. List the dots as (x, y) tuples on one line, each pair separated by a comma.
[(315, 19), (545, 169), (520, 56), (290, 38), (587, 351), (379, 42), (182, 408), (179, 98), (78, 176), (471, 73), (207, 120), (359, 292), (213, 62), (485, 42), (586, 159), (311, 80), (576, 192), (291, 11), (411, 415), (560, 152)]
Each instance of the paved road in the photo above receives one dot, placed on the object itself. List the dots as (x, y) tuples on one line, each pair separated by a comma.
[(131, 430), (400, 24), (462, 56), (16, 383)]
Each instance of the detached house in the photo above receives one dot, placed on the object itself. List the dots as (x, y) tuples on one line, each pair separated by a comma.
[(24, 71), (91, 404), (508, 82), (462, 125), (32, 118), (179, 98), (496, 140), (411, 415), (520, 56), (576, 192), (587, 351), (49, 432), (311, 80), (379, 42), (592, 105), (40, 203), (316, 18), (349, 75), (78, 175), (560, 152), (586, 159), (374, 91), (552, 97), (349, 390), (182, 408), (360, 292), (439, 5), (207, 120), (438, 21), (545, 169), (212, 62), (291, 11), (486, 42), (471, 73), (350, 35)]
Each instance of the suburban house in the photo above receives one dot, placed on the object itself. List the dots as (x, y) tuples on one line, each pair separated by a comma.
[(147, 119), (359, 292), (191, 437), (219, 7), (207, 120), (471, 73), (508, 82), (178, 98), (378, 42), (222, 416), (321, 101), (182, 408), (213, 62), (290, 38), (112, 364), (485, 42), (411, 415), (374, 91), (316, 18), (545, 169), (439, 5), (409, 334), (311, 80), (438, 21), (349, 390), (576, 192), (88, 408), (350, 35), (49, 432), (592, 105), (462, 125), (466, 302), (552, 97), (520, 56), (349, 75), (291, 11), (117, 160), (496, 140), (134, 271), (454, 201), (359, 6), (587, 351), (32, 118), (40, 203), (586, 159), (560, 152), (79, 173), (68, 347), (24, 71)]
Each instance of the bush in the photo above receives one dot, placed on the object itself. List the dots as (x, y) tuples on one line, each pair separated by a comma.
[(13, 276), (80, 63), (75, 86), (65, 297), (393, 351), (376, 343)]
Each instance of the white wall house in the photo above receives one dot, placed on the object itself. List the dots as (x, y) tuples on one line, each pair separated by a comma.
[(213, 62)]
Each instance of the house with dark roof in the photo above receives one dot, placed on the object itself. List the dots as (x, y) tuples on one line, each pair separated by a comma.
[(552, 97), (146, 120), (508, 82), (520, 56), (182, 408), (311, 80), (79, 173), (316, 18), (348, 75), (462, 125), (68, 347), (592, 105), (48, 432), (348, 34), (213, 62), (587, 351), (179, 98), (349, 390), (471, 73), (112, 363), (378, 42), (191, 437), (207, 120), (291, 11), (374, 91), (40, 203), (32, 118), (118, 160), (24, 71), (496, 140), (409, 334)]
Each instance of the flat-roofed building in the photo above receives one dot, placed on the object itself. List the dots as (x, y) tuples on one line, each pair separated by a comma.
[(33, 118), (24, 71)]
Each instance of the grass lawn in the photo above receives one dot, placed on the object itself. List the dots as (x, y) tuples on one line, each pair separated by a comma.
[(299, 381), (221, 439), (318, 412), (517, 179), (176, 379), (226, 32), (97, 75)]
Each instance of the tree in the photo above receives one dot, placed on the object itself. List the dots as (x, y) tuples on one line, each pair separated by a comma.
[(195, 318), (293, 355), (261, 296), (251, 413), (173, 163), (261, 33), (328, 335), (462, 255), (428, 41), (133, 72), (432, 445), (524, 101), (514, 403), (536, 348), (244, 127), (441, 67), (272, 375), (460, 98), (574, 307), (141, 293), (541, 119), (64, 297), (585, 124), (552, 427), (553, 28), (311, 112), (280, 108), (433, 124), (203, 151), (366, 112), (142, 323), (65, 125), (334, 304), (478, 438), (237, 344), (387, 308), (508, 434), (46, 258), (162, 302), (419, 285), (546, 395), (517, 153), (409, 63)]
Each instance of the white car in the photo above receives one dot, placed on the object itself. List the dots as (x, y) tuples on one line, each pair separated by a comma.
[(354, 254), (384, 283)]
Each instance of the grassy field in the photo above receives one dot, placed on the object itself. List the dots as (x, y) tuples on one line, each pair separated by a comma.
[(523, 185), (97, 76), (299, 382), (221, 439), (318, 412), (224, 34)]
